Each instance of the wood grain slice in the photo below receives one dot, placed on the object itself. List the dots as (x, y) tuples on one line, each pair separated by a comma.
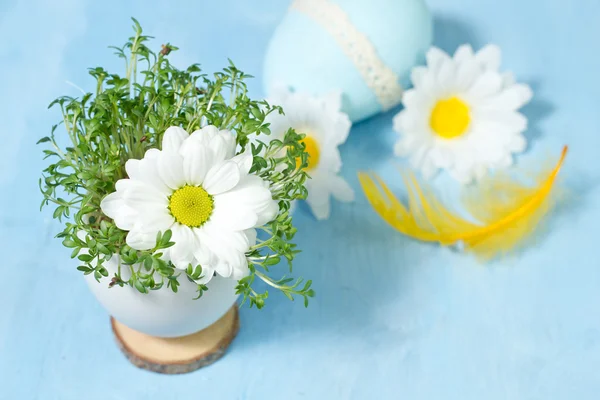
[(178, 355)]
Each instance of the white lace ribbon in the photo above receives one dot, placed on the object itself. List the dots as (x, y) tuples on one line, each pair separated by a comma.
[(357, 47)]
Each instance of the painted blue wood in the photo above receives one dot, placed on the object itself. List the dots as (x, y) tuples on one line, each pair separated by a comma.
[(393, 318)]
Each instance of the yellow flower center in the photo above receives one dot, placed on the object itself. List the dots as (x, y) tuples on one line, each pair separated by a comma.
[(191, 206), (450, 118), (314, 154)]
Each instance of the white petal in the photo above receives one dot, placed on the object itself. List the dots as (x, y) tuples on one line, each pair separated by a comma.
[(435, 58), (115, 207), (139, 195), (321, 211), (146, 170), (489, 121), (417, 74), (202, 251), (333, 101), (248, 205), (464, 177), (197, 160), (340, 128), (232, 218), (408, 143), (250, 236), (480, 171), (428, 168), (397, 121), (330, 159), (141, 240), (340, 189), (402, 147), (182, 253), (112, 204), (236, 240), (318, 200), (488, 84), (132, 167), (208, 272), (418, 156), (463, 53), (222, 146), (409, 120), (205, 135), (508, 79), (415, 99), (504, 162), (244, 161), (278, 93), (170, 169), (267, 213), (229, 143), (511, 98), (464, 167), (518, 144), (241, 270), (466, 74), (222, 177), (514, 121), (446, 77), (228, 247), (240, 266), (224, 269), (441, 156), (429, 84), (173, 138), (489, 57), (156, 221)]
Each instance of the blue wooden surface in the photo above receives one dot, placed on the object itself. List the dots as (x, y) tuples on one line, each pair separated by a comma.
[(393, 318)]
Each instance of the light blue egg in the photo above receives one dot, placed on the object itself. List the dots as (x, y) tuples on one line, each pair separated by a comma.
[(307, 57)]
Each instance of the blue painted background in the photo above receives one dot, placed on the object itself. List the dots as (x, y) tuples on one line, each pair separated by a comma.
[(393, 318)]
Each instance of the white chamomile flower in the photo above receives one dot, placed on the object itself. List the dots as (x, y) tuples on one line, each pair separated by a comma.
[(326, 128), (461, 115), (205, 195)]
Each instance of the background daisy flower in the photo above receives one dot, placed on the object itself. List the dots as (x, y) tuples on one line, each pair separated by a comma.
[(326, 128), (462, 115)]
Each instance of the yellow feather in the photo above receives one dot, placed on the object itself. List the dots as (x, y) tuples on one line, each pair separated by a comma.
[(505, 212)]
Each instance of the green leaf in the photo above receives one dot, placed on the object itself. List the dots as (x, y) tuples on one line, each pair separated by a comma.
[(58, 212), (103, 249), (75, 252), (272, 260), (148, 263), (85, 257), (69, 243), (140, 288), (97, 275), (166, 237)]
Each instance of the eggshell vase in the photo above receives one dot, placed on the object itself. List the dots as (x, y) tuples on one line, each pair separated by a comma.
[(326, 45), (170, 332)]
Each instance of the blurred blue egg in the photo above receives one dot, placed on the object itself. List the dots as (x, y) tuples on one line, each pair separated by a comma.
[(319, 47)]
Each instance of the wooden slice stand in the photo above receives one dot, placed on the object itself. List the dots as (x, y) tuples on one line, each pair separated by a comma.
[(178, 355)]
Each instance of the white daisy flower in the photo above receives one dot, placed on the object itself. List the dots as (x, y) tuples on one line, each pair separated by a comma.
[(326, 128), (461, 115), (199, 190)]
